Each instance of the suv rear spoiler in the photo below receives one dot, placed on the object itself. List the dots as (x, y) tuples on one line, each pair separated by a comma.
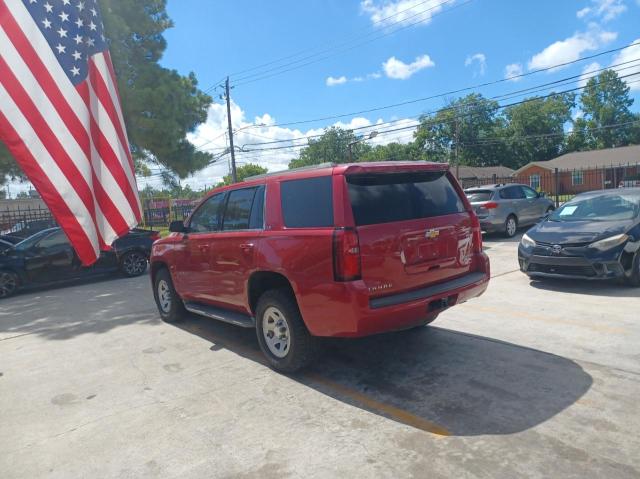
[(390, 167)]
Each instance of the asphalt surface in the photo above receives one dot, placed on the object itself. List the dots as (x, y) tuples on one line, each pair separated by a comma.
[(533, 379)]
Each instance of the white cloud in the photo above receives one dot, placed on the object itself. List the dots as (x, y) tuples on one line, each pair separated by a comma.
[(480, 59), (605, 10), (401, 12), (587, 73), (263, 129), (572, 48), (398, 70), (627, 55), (513, 71), (333, 81), (583, 12)]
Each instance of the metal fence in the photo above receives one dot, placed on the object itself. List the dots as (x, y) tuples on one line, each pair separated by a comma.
[(25, 221), (562, 185)]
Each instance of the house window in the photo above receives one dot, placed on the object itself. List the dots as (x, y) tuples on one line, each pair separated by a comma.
[(534, 182), (577, 177)]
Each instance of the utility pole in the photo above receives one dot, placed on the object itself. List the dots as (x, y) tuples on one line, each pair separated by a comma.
[(234, 176), (457, 148)]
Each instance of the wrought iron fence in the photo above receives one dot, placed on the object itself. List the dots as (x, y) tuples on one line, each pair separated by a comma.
[(562, 185), (24, 221)]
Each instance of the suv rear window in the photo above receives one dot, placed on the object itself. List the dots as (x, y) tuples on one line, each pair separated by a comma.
[(384, 198), (476, 196), (307, 203)]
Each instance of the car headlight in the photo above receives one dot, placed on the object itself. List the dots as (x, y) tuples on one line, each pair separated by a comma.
[(527, 242), (610, 242)]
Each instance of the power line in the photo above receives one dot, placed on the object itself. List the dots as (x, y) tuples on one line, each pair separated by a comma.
[(251, 78), (501, 97), (453, 92), (300, 52)]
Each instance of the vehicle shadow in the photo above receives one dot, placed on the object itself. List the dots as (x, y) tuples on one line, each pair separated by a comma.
[(607, 288), (100, 304), (438, 380)]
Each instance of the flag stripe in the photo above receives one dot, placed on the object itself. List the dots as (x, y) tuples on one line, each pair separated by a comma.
[(71, 134), (107, 92), (46, 137), (52, 185), (108, 131)]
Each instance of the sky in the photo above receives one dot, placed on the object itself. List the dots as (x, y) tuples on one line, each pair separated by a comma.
[(291, 61)]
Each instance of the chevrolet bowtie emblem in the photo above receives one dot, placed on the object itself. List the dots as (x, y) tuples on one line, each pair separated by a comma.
[(431, 234)]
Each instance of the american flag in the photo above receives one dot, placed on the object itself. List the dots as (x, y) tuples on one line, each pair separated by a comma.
[(61, 119)]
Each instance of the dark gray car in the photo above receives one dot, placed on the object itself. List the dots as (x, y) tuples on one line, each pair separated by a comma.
[(503, 208)]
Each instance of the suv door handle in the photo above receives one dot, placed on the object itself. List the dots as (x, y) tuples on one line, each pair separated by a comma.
[(246, 246), (203, 248)]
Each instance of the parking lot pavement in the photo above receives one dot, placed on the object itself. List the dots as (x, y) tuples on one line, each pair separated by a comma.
[(534, 379)]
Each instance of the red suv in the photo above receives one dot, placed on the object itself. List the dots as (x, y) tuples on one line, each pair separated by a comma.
[(335, 250)]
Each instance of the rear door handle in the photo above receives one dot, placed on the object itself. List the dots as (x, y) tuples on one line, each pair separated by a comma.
[(203, 248), (246, 246)]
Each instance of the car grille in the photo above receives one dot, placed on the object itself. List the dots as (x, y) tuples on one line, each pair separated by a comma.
[(568, 270), (568, 249)]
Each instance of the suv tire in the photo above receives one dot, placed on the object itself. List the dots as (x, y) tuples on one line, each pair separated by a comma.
[(282, 334), (511, 226), (169, 303)]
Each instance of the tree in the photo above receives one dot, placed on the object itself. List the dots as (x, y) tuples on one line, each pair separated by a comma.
[(159, 106), (606, 119), (392, 152), (541, 121), (244, 171), (473, 122), (332, 147)]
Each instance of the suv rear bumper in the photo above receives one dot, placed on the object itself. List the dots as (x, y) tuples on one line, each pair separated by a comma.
[(363, 316)]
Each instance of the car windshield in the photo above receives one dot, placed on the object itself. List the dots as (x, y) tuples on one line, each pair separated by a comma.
[(475, 196), (611, 207), (31, 240)]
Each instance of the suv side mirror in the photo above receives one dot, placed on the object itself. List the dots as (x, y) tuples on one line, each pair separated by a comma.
[(177, 227)]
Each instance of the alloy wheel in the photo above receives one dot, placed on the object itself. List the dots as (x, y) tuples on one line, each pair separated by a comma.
[(135, 264), (164, 296), (276, 332), (511, 226)]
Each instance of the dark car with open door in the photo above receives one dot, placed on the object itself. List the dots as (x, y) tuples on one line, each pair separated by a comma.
[(48, 258), (596, 235)]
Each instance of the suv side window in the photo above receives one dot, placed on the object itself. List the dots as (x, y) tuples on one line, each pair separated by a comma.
[(529, 193), (256, 222), (307, 203), (207, 218), (238, 211)]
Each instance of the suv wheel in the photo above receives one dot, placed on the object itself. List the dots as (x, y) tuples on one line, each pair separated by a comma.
[(8, 283), (511, 226), (169, 303), (133, 263), (282, 334)]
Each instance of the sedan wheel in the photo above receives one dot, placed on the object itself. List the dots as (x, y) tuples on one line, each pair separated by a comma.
[(8, 283), (134, 264)]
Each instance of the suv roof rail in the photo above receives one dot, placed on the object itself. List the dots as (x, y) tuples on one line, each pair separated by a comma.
[(302, 168)]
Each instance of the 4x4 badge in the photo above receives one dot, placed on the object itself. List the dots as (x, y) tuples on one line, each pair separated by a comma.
[(431, 234)]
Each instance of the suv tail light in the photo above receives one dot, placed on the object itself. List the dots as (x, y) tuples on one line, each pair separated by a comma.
[(346, 255), (476, 233)]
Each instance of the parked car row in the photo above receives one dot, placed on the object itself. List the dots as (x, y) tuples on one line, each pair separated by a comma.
[(47, 257)]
